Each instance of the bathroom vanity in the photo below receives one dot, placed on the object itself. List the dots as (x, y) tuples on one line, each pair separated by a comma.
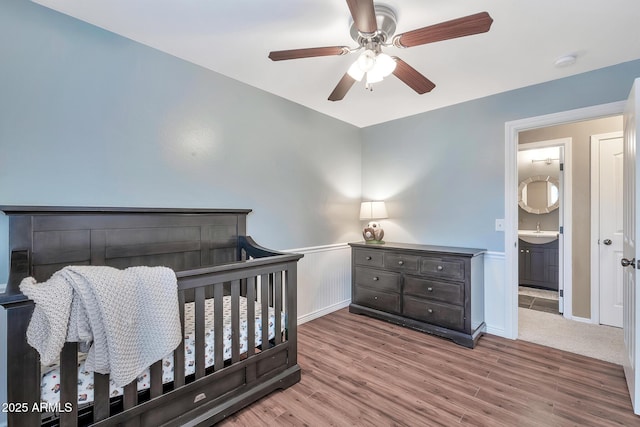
[(538, 264)]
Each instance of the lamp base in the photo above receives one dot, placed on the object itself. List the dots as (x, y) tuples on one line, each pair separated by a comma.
[(374, 242), (373, 233)]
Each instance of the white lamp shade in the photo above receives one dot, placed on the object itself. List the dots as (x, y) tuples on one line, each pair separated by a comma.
[(373, 210), (355, 71), (367, 60), (385, 64), (373, 76)]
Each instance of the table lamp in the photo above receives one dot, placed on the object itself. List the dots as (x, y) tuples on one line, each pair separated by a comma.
[(373, 233)]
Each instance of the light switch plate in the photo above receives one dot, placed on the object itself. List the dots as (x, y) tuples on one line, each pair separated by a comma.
[(500, 224)]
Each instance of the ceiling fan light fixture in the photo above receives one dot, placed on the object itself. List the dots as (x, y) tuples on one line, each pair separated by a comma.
[(384, 64), (356, 72), (367, 60), (374, 76)]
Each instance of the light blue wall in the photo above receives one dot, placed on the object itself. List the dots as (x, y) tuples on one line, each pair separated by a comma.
[(89, 118), (442, 172)]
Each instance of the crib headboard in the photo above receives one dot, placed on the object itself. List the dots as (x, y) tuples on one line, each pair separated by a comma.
[(42, 240)]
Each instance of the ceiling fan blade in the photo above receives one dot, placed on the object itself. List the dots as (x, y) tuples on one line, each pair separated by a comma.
[(465, 26), (411, 77), (279, 55), (342, 88), (364, 15)]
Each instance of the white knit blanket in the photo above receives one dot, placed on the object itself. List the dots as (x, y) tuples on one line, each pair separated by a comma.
[(126, 319)]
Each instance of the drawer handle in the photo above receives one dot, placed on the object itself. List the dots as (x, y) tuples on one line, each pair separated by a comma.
[(375, 297), (400, 262), (368, 258), (440, 268), (430, 310), (429, 289), (375, 278)]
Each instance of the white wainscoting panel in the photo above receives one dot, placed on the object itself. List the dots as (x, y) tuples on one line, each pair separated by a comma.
[(495, 295), (324, 280)]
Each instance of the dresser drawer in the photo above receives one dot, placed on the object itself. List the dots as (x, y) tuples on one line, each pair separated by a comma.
[(401, 262), (452, 293), (449, 268), (370, 258), (377, 279), (445, 315), (388, 302)]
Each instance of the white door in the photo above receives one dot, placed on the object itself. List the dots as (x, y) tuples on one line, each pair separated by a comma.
[(630, 219), (610, 230)]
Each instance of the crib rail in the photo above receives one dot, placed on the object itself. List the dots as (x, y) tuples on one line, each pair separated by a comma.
[(267, 280)]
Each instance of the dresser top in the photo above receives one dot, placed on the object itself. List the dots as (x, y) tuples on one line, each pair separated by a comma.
[(449, 250)]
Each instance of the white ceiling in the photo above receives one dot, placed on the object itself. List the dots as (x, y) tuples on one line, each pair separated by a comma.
[(234, 37)]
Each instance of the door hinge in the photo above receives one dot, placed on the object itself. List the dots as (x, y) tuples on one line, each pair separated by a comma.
[(561, 166), (561, 293), (561, 230)]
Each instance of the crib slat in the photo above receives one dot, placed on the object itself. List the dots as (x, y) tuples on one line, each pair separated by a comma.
[(130, 395), (251, 316), (199, 329), (101, 397), (278, 308), (69, 384), (235, 321), (218, 326), (178, 354), (264, 301), (23, 365), (155, 376)]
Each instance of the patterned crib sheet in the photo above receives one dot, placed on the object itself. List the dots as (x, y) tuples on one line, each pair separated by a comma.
[(50, 385)]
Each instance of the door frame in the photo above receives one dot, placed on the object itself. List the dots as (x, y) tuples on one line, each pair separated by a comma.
[(595, 221), (565, 250), (512, 129)]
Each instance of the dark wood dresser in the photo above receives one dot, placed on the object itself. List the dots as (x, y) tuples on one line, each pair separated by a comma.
[(434, 289)]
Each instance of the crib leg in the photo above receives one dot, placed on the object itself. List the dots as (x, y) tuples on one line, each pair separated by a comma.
[(23, 368)]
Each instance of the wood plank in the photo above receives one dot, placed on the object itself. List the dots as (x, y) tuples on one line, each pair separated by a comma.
[(199, 331), (100, 397), (218, 326), (361, 371), (69, 383)]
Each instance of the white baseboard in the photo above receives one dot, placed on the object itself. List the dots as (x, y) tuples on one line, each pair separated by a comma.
[(581, 319), (327, 310)]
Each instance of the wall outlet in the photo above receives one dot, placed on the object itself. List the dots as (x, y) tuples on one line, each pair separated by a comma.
[(500, 224)]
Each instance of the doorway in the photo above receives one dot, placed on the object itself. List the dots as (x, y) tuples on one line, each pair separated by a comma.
[(512, 133), (542, 247)]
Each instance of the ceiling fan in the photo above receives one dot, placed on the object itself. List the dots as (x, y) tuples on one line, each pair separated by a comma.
[(373, 28)]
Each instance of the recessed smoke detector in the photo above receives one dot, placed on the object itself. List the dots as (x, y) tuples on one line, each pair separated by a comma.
[(565, 61)]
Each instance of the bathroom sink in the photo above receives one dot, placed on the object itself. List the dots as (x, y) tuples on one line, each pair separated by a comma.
[(537, 237)]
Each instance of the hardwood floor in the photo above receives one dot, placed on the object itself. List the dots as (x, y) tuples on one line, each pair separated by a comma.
[(358, 371)]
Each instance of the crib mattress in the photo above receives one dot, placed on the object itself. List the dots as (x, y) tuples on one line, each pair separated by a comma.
[(50, 385)]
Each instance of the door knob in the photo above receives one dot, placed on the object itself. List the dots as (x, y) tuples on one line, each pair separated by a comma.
[(607, 242), (625, 262)]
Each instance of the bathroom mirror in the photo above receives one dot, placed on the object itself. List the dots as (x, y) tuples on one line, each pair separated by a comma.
[(539, 194)]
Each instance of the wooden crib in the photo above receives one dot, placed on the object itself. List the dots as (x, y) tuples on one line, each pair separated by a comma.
[(212, 257)]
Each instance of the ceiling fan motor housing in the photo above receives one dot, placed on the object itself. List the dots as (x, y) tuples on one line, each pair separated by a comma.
[(386, 19)]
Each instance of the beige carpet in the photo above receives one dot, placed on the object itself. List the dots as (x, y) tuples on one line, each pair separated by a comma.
[(553, 330)]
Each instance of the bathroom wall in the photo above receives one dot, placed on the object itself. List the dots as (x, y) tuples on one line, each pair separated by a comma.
[(581, 201)]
